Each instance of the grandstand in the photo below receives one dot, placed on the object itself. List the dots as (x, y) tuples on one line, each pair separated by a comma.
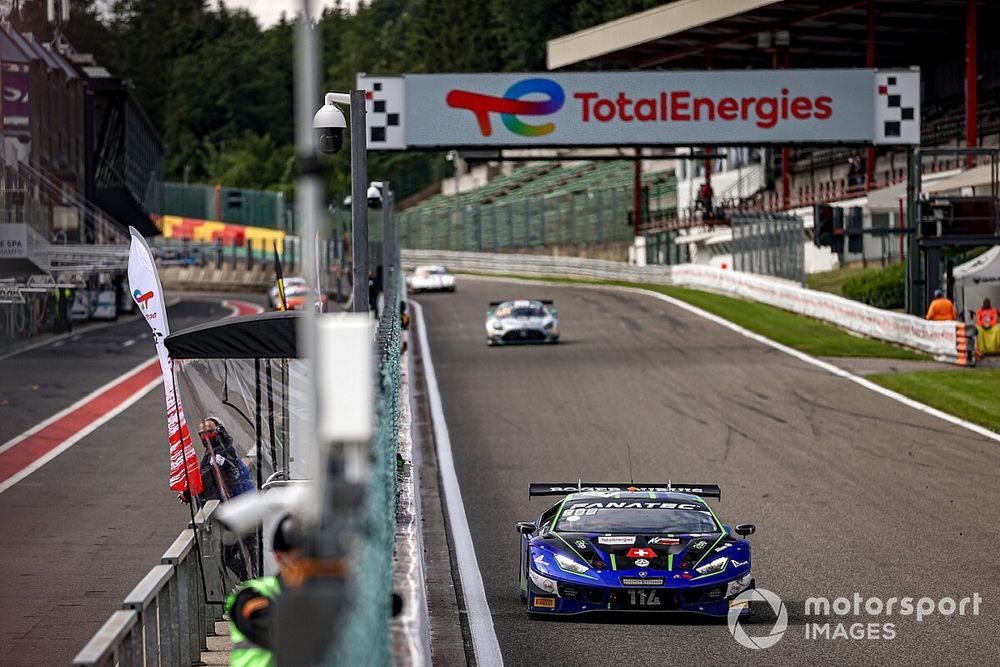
[(960, 107), (570, 206)]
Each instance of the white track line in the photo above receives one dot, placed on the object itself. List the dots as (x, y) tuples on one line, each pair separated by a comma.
[(802, 356), (484, 638), (84, 432), (93, 426), (83, 401)]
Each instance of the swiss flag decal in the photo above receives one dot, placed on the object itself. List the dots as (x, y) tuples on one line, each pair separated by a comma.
[(639, 552)]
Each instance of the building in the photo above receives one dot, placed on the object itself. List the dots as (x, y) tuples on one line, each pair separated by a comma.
[(960, 97)]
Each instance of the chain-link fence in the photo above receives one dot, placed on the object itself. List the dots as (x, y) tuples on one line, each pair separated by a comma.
[(599, 216), (239, 206), (769, 244), (662, 248), (363, 632), (569, 218)]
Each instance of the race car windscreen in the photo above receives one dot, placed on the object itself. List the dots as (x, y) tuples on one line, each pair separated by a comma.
[(520, 311), (636, 520)]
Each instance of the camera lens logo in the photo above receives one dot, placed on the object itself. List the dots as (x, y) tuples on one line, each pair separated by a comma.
[(741, 602), (510, 106), (142, 299)]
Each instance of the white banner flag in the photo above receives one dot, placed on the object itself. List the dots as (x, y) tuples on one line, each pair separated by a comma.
[(148, 295)]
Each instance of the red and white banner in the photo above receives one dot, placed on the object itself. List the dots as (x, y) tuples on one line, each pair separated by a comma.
[(145, 284)]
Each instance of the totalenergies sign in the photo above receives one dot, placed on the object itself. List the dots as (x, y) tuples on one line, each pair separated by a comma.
[(748, 107), (510, 106)]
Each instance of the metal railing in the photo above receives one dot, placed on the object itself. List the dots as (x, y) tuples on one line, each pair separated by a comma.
[(167, 617)]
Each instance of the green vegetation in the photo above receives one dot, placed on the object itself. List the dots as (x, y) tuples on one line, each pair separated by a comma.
[(832, 281), (882, 288), (218, 87), (796, 331), (971, 395)]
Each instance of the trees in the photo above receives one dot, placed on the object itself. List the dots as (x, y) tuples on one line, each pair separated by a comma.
[(218, 87)]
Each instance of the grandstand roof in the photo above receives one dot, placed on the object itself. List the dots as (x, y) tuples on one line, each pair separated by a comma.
[(723, 34)]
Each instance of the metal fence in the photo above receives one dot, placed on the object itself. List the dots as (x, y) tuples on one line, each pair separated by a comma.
[(363, 636), (599, 216), (239, 206), (662, 248), (770, 244), (167, 617)]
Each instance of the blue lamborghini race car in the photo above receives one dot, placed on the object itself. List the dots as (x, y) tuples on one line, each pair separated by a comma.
[(632, 547)]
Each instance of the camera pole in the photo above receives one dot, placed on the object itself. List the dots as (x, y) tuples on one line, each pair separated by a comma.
[(359, 200)]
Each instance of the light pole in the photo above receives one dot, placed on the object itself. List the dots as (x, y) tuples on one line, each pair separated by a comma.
[(329, 122), (456, 160)]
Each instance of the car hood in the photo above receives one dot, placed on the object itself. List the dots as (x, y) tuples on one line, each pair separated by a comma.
[(655, 556), (524, 322)]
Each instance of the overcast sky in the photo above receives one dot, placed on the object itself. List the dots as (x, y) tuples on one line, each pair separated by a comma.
[(269, 11)]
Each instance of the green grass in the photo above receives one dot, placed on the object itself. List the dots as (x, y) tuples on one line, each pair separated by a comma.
[(971, 395), (796, 331)]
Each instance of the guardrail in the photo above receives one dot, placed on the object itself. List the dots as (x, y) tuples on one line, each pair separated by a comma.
[(952, 342), (167, 617)]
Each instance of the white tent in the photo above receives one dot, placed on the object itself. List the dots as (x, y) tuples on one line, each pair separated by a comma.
[(976, 280)]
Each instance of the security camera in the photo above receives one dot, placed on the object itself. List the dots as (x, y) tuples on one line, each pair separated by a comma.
[(329, 123), (246, 511), (374, 195)]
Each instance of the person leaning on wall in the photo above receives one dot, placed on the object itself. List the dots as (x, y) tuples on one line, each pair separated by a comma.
[(941, 308)]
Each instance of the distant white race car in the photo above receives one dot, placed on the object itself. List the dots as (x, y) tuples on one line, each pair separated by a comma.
[(272, 294), (431, 278), (534, 321)]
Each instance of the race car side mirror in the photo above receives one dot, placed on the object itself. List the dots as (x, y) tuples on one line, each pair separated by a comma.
[(745, 529), (525, 527)]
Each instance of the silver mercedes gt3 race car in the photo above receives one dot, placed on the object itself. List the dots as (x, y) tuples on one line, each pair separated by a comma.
[(534, 321), (431, 278)]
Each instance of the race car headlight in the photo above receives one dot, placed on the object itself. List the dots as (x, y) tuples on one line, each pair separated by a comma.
[(738, 585), (495, 325), (571, 565), (550, 324), (543, 582), (716, 566)]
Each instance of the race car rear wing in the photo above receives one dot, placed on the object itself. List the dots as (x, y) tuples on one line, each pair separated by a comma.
[(562, 489), (547, 302)]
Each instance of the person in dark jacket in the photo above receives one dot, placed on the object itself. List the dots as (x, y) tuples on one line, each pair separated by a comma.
[(221, 480), (219, 463)]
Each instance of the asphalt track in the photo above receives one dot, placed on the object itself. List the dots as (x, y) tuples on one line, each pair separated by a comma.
[(82, 530), (851, 491)]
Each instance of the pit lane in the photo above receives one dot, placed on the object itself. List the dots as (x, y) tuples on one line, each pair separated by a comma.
[(82, 530)]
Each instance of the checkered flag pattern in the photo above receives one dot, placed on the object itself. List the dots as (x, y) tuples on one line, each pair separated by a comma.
[(384, 108), (897, 107)]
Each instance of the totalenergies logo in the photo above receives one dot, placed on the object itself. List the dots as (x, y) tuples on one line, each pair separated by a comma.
[(142, 299), (510, 106)]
